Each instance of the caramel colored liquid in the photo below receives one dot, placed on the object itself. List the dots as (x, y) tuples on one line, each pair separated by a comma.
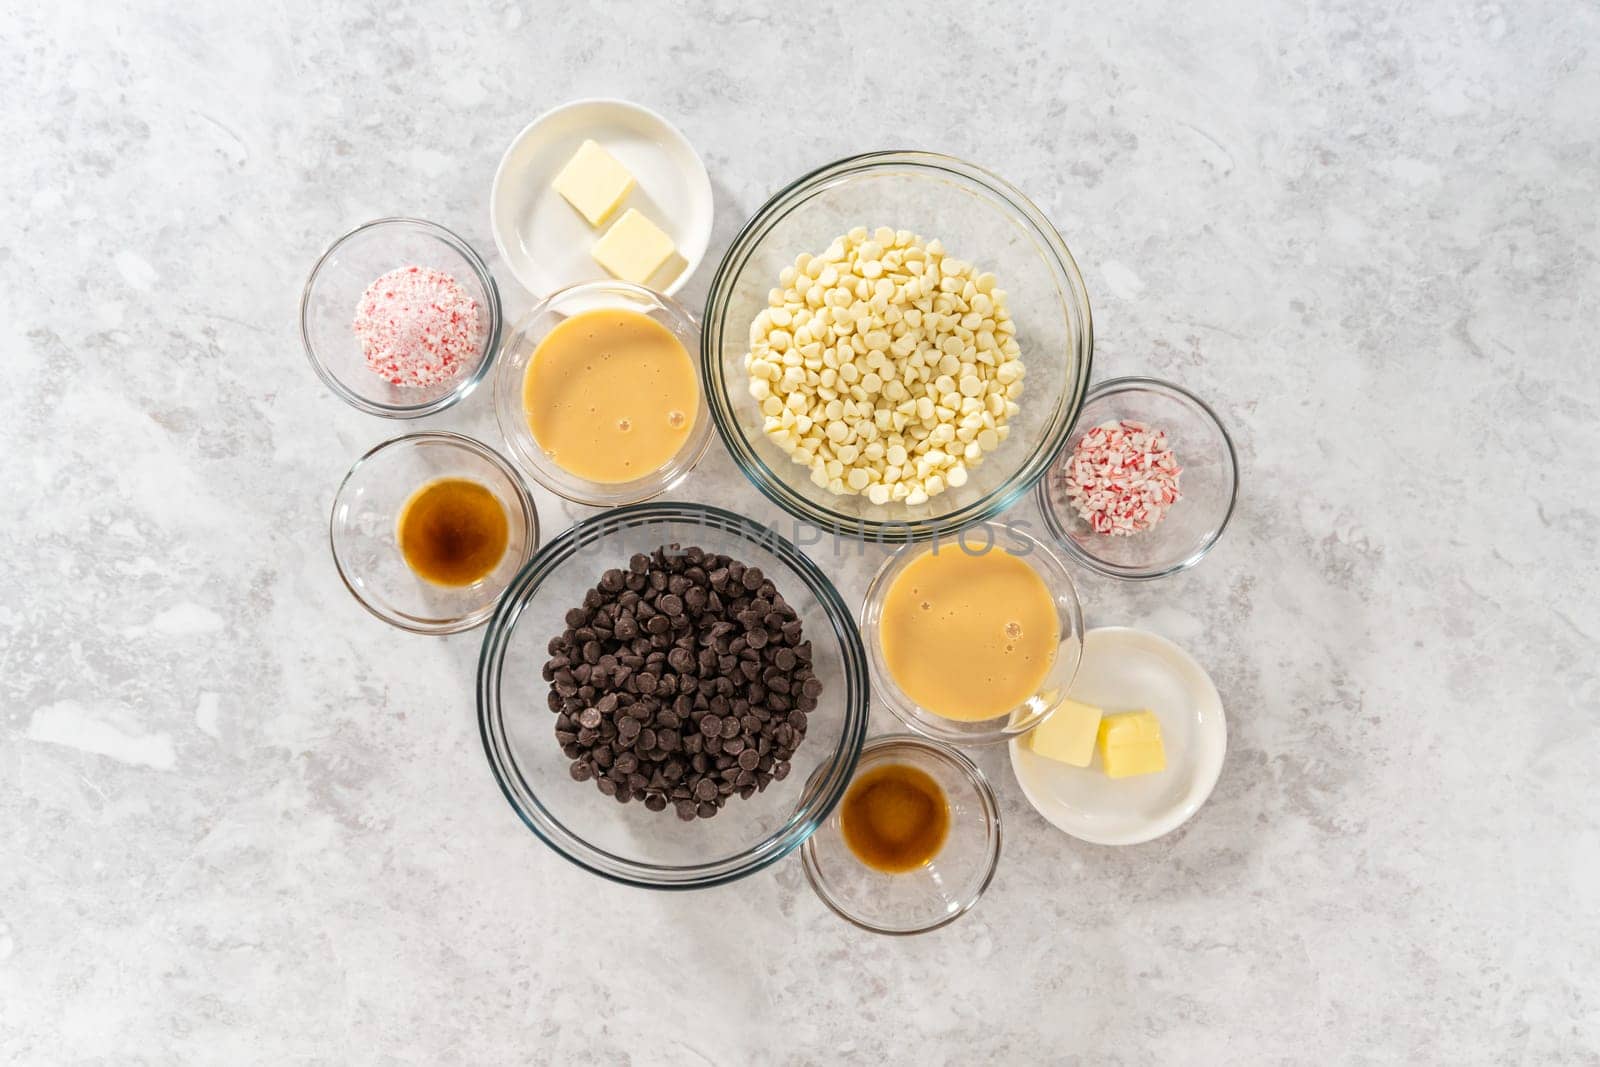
[(969, 636), (610, 395), (894, 818), (453, 532)]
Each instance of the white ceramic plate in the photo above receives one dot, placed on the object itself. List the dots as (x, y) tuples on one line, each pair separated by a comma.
[(546, 242), (1127, 670)]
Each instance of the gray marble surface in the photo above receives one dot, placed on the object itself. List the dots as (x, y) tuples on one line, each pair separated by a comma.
[(243, 822)]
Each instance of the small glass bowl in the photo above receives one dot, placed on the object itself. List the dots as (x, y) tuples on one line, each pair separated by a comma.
[(626, 842), (366, 546), (979, 217), (941, 890), (1052, 691), (517, 353), (333, 291), (1209, 484)]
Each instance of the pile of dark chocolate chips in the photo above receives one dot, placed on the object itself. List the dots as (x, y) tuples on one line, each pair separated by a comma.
[(684, 679)]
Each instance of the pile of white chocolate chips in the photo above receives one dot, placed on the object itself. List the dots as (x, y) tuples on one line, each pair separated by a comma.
[(885, 366)]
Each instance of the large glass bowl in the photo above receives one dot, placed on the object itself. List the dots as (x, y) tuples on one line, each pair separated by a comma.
[(626, 842), (980, 218)]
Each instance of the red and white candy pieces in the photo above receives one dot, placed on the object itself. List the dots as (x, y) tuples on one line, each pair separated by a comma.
[(1122, 477)]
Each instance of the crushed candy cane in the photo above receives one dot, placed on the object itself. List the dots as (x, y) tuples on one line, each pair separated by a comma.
[(418, 327), (1122, 477)]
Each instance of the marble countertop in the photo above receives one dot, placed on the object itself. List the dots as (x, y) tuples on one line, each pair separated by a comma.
[(243, 822)]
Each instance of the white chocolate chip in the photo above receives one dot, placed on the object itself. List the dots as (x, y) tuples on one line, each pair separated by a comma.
[(884, 366)]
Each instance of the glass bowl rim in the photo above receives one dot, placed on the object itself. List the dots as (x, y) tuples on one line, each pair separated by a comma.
[(530, 524), (517, 438), (800, 825), (756, 470), (992, 820), (1058, 531), (889, 693), (491, 342)]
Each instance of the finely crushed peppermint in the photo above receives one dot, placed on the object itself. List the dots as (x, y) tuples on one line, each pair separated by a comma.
[(1122, 477), (418, 327)]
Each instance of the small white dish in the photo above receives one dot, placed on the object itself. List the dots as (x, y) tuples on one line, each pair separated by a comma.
[(546, 242), (1125, 669)]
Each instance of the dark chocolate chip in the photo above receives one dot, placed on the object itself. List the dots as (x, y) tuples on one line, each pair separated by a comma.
[(688, 662)]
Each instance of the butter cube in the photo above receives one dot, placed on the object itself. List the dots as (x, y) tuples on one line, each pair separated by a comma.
[(1068, 734), (1130, 744), (634, 248), (593, 182)]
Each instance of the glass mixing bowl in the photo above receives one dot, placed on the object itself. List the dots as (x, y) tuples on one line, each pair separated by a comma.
[(941, 890), (517, 353), (1051, 569), (626, 842), (1209, 484), (335, 287), (366, 545), (978, 217)]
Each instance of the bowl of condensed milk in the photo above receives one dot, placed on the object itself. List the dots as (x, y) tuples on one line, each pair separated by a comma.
[(598, 395), (973, 639)]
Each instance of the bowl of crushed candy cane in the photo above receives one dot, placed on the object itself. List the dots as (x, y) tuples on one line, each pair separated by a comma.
[(1146, 482), (400, 318)]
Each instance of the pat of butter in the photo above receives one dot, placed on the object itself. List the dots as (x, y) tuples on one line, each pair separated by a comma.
[(593, 182), (1068, 734), (1130, 744), (634, 248)]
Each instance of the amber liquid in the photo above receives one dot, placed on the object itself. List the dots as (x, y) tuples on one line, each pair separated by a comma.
[(453, 532), (969, 633), (894, 818), (611, 395)]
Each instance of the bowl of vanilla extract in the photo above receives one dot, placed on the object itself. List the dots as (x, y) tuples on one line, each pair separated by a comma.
[(429, 529), (914, 843)]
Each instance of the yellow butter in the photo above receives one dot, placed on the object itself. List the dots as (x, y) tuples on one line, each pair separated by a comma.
[(634, 248), (1068, 735), (1130, 744), (593, 182)]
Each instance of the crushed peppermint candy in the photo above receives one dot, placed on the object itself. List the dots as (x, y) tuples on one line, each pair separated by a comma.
[(1122, 477), (418, 327)]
